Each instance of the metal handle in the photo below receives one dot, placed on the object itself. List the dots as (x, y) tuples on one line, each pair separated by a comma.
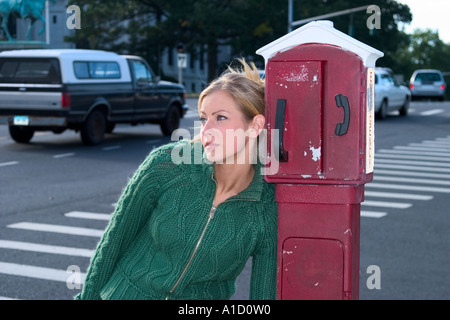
[(342, 128), (282, 156)]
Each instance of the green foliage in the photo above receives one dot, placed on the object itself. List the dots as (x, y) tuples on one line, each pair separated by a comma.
[(147, 27)]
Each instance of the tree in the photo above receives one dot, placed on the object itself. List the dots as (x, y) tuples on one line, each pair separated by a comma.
[(386, 39), (116, 25), (425, 51), (211, 23), (146, 27)]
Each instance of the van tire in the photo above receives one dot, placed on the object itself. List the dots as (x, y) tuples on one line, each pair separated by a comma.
[(93, 129), (404, 109), (382, 113), (21, 134), (171, 122)]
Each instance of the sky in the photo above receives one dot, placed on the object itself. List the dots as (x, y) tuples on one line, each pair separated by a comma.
[(429, 14)]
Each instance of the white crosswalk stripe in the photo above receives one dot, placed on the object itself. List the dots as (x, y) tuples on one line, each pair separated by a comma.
[(57, 229), (415, 172), (88, 215), (31, 271), (36, 272), (28, 246)]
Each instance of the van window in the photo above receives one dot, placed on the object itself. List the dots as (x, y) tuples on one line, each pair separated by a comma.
[(141, 72), (36, 71), (387, 80), (428, 77), (96, 70)]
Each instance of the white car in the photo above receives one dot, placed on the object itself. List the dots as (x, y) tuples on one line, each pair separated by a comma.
[(389, 96), (426, 83)]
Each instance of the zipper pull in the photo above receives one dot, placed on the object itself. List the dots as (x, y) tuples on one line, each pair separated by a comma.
[(211, 213)]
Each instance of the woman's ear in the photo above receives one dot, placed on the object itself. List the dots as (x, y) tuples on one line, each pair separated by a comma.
[(257, 125)]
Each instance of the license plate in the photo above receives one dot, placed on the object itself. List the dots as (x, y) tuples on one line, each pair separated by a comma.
[(21, 121)]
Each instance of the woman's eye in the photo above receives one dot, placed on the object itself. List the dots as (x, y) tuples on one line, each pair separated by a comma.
[(202, 120), (219, 118)]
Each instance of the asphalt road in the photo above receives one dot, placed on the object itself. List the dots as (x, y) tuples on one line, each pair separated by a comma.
[(56, 196)]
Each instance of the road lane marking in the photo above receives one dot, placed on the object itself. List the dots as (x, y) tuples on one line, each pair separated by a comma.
[(11, 163), (442, 143), (88, 215), (413, 174), (372, 214), (431, 112), (429, 145), (111, 148), (39, 273), (411, 157), (407, 187), (394, 195), (423, 148), (57, 229), (34, 247), (417, 163), (394, 166), (411, 180), (419, 153), (385, 204), (64, 155)]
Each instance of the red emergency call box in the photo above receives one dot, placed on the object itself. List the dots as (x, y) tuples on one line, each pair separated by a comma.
[(320, 148)]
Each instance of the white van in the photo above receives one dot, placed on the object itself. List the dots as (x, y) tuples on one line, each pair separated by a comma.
[(427, 83)]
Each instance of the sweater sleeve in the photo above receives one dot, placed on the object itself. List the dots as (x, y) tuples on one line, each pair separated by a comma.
[(132, 212), (263, 282)]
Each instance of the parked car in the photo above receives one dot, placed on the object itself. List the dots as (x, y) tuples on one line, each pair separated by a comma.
[(84, 90), (390, 96), (427, 83)]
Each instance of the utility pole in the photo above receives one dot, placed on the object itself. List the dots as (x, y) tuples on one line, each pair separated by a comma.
[(290, 14)]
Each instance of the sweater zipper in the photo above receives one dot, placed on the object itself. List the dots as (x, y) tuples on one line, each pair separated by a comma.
[(210, 217)]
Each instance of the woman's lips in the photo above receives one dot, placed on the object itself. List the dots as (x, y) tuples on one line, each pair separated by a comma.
[(210, 145)]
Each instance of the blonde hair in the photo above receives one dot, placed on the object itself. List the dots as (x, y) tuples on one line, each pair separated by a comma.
[(244, 85)]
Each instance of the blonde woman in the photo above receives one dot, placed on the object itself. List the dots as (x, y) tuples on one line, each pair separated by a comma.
[(186, 230)]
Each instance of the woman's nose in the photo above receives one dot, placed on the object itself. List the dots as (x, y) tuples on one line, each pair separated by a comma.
[(207, 126)]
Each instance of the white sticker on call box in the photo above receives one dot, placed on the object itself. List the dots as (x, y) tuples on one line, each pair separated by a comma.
[(370, 120)]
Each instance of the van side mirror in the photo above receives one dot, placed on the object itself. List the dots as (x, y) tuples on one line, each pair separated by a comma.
[(142, 82)]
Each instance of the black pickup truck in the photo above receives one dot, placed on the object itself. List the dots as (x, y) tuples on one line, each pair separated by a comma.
[(89, 91)]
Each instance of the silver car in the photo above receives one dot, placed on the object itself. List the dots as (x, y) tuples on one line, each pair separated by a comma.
[(389, 96), (427, 83)]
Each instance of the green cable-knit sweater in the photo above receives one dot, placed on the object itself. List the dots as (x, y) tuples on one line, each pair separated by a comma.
[(166, 240)]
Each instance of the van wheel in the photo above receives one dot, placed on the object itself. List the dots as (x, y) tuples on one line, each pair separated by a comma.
[(382, 113), (21, 134), (93, 129), (171, 122), (110, 127), (404, 109)]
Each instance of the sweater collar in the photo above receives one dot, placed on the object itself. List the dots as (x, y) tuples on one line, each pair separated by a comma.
[(204, 173)]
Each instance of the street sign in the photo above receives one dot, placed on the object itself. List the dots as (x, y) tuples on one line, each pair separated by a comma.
[(182, 60)]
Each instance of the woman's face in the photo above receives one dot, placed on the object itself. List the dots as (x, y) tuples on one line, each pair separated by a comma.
[(224, 130)]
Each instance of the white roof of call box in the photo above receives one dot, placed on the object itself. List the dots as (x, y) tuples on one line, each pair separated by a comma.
[(321, 32)]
